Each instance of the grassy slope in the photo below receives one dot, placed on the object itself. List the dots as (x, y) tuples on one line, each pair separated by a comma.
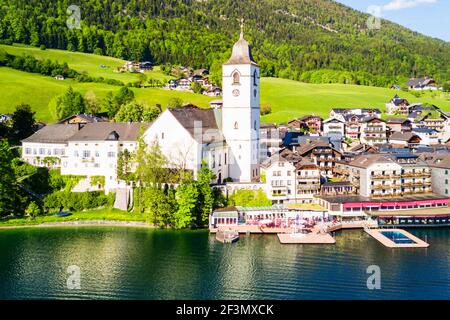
[(100, 214), (36, 90), (84, 62), (289, 99)]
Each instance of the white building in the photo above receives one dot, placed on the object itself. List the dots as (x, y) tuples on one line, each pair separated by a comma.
[(94, 150), (333, 126), (46, 147), (227, 138)]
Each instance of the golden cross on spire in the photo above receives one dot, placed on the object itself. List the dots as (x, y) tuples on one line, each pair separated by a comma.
[(242, 28)]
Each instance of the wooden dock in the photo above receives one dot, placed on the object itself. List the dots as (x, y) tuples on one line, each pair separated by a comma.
[(376, 234), (227, 236), (308, 238)]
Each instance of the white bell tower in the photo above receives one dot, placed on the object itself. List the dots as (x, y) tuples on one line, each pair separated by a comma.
[(240, 112)]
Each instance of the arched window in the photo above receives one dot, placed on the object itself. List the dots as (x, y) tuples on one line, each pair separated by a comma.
[(255, 78), (254, 125), (236, 78), (236, 125)]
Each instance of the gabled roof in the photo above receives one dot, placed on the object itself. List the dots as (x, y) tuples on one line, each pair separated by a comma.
[(397, 120), (400, 136), (191, 116), (332, 120), (88, 118), (117, 131)]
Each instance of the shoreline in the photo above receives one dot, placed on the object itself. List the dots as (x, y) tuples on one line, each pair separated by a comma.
[(84, 223)]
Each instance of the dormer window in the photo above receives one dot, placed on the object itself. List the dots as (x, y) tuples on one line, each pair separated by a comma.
[(236, 78)]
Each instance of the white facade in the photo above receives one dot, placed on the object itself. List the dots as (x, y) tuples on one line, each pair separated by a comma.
[(241, 119), (95, 158), (43, 154), (333, 125)]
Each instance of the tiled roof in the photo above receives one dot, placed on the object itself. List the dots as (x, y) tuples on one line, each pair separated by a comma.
[(56, 133), (126, 131)]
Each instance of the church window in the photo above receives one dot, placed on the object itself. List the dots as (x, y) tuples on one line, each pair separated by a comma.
[(236, 78), (255, 78), (236, 125)]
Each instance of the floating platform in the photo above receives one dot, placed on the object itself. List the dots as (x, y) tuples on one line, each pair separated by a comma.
[(396, 238), (306, 238), (227, 236)]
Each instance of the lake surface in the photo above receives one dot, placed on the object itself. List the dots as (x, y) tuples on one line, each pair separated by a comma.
[(135, 263)]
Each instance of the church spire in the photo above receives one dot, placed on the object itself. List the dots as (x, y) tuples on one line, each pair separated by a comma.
[(241, 53)]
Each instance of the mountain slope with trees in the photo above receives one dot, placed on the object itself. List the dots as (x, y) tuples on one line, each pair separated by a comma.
[(289, 37)]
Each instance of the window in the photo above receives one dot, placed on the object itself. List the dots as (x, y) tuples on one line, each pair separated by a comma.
[(41, 151), (27, 150), (75, 153), (162, 135), (86, 153), (236, 78), (97, 153), (255, 78), (254, 125), (225, 158), (111, 154), (236, 125)]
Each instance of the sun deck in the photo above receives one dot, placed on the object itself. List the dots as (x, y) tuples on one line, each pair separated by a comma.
[(407, 240), (310, 238)]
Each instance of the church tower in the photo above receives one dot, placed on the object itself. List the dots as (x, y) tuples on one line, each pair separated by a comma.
[(240, 112)]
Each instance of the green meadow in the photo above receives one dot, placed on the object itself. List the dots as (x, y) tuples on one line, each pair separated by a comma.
[(289, 99), (84, 62), (37, 91)]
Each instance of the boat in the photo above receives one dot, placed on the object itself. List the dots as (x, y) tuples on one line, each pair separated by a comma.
[(63, 214), (227, 236)]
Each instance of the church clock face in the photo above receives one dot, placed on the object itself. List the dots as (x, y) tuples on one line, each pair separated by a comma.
[(236, 92)]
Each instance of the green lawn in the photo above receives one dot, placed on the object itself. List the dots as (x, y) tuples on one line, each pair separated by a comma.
[(84, 62), (99, 214), (290, 99)]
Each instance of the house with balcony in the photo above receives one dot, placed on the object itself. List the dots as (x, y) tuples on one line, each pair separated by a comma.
[(320, 153), (397, 105), (406, 139), (398, 125), (388, 175), (291, 178), (333, 126), (440, 171), (373, 131)]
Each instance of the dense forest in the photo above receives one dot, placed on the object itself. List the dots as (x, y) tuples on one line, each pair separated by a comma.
[(291, 38)]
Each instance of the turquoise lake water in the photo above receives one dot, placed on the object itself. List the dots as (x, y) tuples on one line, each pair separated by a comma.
[(135, 263)]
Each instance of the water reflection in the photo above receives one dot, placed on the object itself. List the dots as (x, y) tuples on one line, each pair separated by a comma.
[(133, 263)]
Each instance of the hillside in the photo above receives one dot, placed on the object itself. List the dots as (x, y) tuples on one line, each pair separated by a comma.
[(289, 37), (289, 99)]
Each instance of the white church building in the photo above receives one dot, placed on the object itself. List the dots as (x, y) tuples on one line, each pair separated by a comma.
[(226, 138)]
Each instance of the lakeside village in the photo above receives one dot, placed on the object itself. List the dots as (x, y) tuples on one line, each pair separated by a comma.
[(352, 170)]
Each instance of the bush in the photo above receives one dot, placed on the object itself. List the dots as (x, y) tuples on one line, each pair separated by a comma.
[(77, 201)]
